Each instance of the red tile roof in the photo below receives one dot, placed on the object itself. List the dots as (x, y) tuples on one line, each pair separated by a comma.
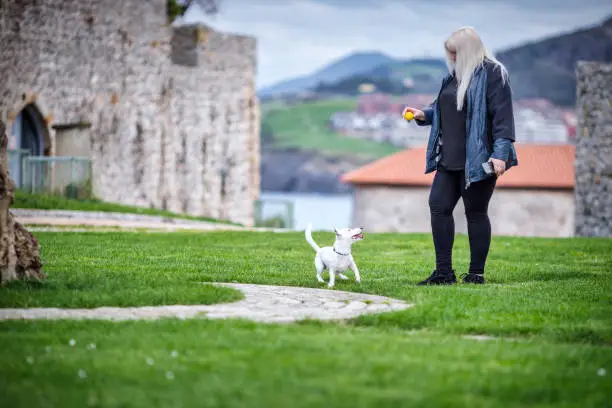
[(540, 166)]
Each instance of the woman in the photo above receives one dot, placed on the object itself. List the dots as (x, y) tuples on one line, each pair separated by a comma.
[(472, 127)]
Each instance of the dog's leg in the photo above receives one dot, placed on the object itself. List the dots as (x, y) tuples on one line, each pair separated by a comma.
[(320, 267), (332, 278), (355, 271), (343, 276)]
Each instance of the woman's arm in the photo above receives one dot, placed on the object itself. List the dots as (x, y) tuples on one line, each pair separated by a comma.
[(499, 109), (428, 112)]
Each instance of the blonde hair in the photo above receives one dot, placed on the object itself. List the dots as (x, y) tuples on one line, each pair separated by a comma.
[(470, 53)]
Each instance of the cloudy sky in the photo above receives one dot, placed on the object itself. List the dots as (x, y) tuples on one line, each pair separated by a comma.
[(296, 37)]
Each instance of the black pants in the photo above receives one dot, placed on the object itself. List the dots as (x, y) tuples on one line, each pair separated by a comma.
[(448, 186)]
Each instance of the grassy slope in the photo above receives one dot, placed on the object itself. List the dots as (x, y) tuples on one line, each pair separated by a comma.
[(553, 296), (56, 202), (305, 126)]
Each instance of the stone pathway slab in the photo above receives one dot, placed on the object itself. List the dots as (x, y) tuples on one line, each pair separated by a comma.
[(262, 303), (102, 219)]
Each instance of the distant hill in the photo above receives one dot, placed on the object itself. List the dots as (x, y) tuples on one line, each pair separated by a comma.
[(546, 68), (398, 69), (353, 64), (389, 77), (540, 69)]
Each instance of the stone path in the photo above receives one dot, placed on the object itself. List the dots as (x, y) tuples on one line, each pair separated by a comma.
[(262, 303), (121, 220)]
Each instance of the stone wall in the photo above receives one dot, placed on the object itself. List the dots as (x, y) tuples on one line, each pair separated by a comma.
[(545, 213), (593, 192), (72, 141), (163, 132), (216, 137)]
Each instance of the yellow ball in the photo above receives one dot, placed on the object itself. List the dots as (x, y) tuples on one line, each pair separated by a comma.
[(409, 115)]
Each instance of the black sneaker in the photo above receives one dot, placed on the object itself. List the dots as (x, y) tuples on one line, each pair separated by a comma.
[(473, 278), (440, 278)]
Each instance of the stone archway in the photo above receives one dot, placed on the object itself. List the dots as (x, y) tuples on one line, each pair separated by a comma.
[(30, 137)]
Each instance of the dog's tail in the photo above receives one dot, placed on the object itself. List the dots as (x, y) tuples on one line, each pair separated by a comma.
[(308, 234)]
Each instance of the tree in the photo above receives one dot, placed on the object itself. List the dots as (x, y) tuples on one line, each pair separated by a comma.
[(19, 250), (179, 7)]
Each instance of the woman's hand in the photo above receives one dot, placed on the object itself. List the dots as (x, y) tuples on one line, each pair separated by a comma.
[(418, 114), (498, 165)]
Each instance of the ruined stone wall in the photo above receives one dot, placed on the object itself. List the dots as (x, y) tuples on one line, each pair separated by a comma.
[(183, 137), (58, 57), (214, 112), (593, 193)]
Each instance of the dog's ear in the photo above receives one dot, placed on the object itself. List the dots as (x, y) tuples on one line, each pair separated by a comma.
[(336, 231)]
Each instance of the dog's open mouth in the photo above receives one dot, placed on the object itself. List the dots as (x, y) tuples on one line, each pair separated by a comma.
[(358, 236)]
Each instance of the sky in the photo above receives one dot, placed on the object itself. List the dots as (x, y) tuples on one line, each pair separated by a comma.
[(297, 37)]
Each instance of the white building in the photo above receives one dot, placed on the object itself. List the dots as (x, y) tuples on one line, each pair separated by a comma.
[(536, 198)]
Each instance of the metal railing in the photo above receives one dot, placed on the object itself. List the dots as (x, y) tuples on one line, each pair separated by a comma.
[(274, 213), (16, 159), (67, 176)]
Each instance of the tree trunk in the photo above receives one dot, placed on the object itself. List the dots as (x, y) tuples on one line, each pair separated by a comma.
[(19, 250)]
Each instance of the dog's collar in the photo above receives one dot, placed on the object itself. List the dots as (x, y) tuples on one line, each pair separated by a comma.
[(340, 253)]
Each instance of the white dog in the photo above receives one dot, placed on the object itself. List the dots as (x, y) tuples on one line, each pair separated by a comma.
[(337, 258)]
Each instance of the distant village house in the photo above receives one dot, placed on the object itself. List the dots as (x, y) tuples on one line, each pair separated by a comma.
[(535, 198), (378, 117)]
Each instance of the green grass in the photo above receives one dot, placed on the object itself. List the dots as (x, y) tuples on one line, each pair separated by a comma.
[(237, 364), (557, 288), (57, 202), (304, 126), (549, 302), (116, 269)]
